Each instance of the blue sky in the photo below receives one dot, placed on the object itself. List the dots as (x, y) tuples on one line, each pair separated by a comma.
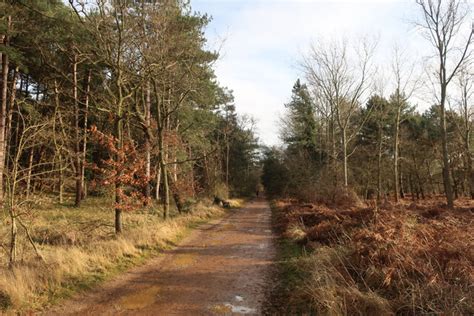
[(262, 42)]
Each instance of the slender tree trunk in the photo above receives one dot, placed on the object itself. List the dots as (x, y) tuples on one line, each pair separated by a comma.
[(402, 183), (30, 171), (344, 153), (84, 136), (3, 108), (58, 147), (467, 141), (158, 183), (10, 110), (118, 185), (61, 179), (161, 148), (420, 185), (395, 150), (379, 166), (13, 238), (77, 140), (166, 202), (119, 134), (334, 150), (148, 142), (444, 137), (410, 182), (430, 174), (164, 173), (470, 172)]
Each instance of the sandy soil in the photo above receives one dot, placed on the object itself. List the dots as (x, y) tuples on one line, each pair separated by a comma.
[(221, 268)]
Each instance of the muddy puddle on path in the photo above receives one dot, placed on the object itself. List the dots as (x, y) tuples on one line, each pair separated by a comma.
[(233, 308), (140, 299)]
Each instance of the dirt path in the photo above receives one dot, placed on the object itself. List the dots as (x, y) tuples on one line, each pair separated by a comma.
[(220, 269)]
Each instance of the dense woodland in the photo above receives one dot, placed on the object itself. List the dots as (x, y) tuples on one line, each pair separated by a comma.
[(116, 99), (356, 125)]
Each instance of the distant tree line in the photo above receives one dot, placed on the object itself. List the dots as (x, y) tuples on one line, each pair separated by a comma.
[(342, 131)]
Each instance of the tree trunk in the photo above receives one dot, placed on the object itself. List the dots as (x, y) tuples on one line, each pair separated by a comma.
[(118, 216), (467, 142), (30, 171), (166, 190), (3, 109), (470, 173), (410, 183), (176, 196), (118, 186), (430, 174), (84, 136), (61, 179), (395, 151), (77, 140), (344, 153), (148, 142), (158, 183), (120, 140), (10, 110), (444, 137), (13, 238), (379, 166)]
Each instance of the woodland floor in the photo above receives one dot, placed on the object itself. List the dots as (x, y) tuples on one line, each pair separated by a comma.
[(221, 268)]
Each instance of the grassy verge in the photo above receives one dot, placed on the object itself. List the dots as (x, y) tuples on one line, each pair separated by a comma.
[(81, 250), (289, 275)]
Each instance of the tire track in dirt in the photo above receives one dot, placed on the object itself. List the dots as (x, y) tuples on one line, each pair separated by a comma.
[(221, 268)]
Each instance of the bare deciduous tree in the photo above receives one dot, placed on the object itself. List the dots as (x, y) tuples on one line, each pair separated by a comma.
[(443, 23), (342, 77)]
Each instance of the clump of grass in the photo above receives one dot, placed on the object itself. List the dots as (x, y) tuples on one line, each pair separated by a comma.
[(332, 290), (80, 249)]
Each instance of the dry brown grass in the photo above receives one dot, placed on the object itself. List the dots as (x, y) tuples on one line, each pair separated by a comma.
[(80, 249), (406, 259)]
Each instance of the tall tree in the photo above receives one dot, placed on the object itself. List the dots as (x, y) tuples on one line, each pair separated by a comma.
[(444, 23), (342, 76)]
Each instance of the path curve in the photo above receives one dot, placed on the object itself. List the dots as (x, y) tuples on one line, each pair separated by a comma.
[(221, 268)]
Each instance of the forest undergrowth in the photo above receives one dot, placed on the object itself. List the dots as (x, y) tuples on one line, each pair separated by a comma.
[(409, 258)]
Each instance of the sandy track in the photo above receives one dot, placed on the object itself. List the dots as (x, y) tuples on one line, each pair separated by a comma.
[(221, 268)]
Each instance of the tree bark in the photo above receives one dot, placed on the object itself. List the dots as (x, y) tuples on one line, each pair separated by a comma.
[(344, 153), (30, 171), (84, 136), (444, 138), (148, 142), (77, 140), (61, 179), (158, 183), (379, 165), (3, 109), (11, 108), (13, 239), (395, 149)]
